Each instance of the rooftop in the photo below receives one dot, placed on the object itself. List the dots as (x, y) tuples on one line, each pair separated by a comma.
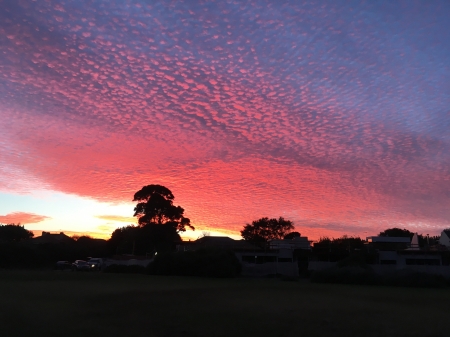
[(388, 239)]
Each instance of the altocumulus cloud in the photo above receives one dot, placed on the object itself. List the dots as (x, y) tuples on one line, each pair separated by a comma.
[(23, 218), (337, 113)]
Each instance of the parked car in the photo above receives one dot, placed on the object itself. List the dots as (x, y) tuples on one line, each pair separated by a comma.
[(62, 265), (80, 265), (95, 263)]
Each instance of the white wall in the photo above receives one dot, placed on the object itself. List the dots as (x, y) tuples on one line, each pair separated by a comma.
[(444, 239)]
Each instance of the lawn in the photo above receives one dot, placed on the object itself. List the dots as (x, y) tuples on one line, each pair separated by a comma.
[(51, 303)]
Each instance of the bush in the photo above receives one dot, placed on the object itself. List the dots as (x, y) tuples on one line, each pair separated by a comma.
[(202, 262), (354, 261), (21, 255), (124, 269)]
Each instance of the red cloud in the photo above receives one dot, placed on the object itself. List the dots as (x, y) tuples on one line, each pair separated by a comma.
[(238, 130), (22, 217)]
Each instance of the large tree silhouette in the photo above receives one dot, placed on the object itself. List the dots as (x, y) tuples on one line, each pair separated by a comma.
[(265, 229), (155, 207), (14, 233), (144, 240), (160, 223)]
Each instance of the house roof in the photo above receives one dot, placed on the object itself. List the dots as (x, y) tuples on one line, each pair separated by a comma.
[(223, 242), (446, 232), (388, 239), (301, 242), (215, 240), (48, 237)]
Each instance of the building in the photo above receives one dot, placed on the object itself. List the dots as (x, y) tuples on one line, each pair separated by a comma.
[(217, 242), (410, 257), (48, 237), (300, 242), (280, 257), (445, 238), (388, 242)]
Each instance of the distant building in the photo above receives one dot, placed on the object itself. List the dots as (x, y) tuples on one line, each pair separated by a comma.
[(48, 237), (404, 252), (445, 238), (415, 242), (405, 258), (280, 257), (388, 242), (219, 242), (300, 242)]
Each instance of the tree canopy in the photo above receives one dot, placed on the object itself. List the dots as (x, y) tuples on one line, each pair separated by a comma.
[(424, 240), (143, 240), (160, 223), (14, 232), (265, 229), (336, 249), (292, 235), (397, 232), (155, 206)]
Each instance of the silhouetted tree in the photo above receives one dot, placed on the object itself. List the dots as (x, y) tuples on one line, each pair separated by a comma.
[(292, 235), (90, 247), (424, 240), (327, 249), (265, 229), (14, 233), (155, 206), (122, 240), (349, 242), (144, 240), (157, 238), (433, 240), (397, 232), (160, 223)]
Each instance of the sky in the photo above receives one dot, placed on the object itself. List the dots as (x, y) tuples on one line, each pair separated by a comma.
[(332, 114)]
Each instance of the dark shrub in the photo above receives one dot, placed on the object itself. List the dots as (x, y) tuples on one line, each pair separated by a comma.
[(21, 255), (354, 261), (202, 262), (351, 270)]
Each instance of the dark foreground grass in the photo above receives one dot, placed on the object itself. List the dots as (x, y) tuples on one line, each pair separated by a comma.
[(95, 304)]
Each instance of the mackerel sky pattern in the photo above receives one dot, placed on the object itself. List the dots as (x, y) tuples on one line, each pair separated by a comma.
[(334, 114)]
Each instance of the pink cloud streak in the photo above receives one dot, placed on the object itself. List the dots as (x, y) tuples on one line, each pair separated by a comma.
[(22, 218)]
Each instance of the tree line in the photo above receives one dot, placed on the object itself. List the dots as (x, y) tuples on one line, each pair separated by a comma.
[(160, 222)]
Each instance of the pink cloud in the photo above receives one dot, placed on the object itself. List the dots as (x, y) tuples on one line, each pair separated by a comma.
[(258, 127), (22, 218)]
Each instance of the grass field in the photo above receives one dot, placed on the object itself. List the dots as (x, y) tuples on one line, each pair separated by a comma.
[(69, 304)]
